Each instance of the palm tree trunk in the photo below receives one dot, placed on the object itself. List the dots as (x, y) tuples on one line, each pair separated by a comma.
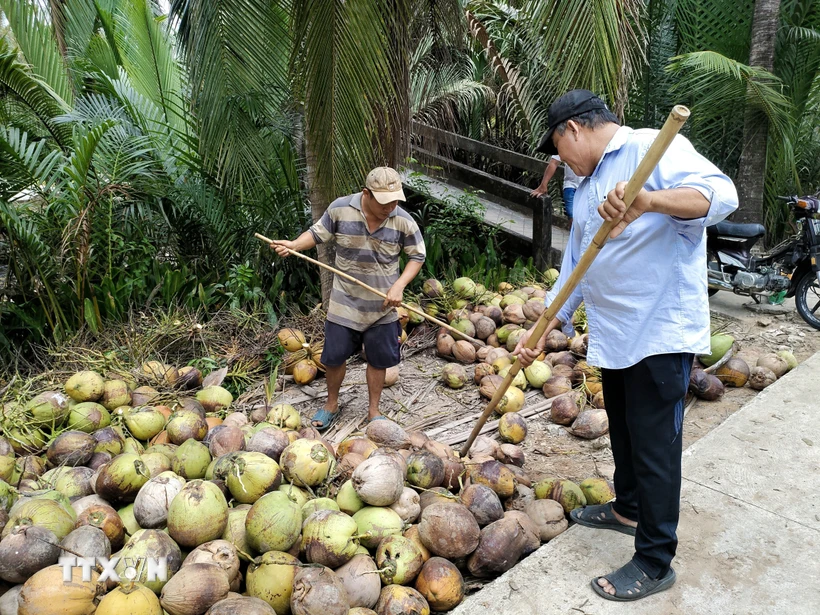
[(398, 148), (751, 173), (319, 202)]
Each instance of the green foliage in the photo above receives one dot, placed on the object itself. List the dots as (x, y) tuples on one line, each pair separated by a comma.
[(105, 201)]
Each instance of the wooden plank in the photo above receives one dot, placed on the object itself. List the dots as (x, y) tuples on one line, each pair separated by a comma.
[(521, 161), (515, 193)]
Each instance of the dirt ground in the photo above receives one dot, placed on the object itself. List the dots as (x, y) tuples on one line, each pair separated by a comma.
[(420, 401)]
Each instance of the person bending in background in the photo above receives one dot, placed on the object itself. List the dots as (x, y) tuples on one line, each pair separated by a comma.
[(571, 181)]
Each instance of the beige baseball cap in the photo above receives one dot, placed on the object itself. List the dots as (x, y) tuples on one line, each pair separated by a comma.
[(385, 184)]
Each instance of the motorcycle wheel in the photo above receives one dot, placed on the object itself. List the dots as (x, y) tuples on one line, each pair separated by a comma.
[(807, 299)]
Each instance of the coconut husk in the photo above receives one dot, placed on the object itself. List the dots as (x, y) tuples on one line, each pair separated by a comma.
[(483, 503), (449, 530), (194, 589), (500, 546), (441, 584), (590, 424), (318, 591)]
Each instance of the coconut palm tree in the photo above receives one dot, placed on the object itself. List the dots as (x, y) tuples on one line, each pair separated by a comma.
[(106, 199)]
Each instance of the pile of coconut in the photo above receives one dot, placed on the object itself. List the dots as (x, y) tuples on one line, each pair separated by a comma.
[(253, 514), (712, 373)]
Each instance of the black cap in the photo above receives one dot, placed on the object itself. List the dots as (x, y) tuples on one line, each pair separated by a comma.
[(571, 104)]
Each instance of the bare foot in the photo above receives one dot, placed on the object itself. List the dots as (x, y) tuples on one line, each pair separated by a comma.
[(333, 410), (623, 519), (372, 414), (608, 588)]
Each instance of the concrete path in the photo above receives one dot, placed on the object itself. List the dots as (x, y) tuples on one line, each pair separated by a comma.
[(749, 535)]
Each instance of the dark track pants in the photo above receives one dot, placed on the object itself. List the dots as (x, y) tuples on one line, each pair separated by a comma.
[(644, 404)]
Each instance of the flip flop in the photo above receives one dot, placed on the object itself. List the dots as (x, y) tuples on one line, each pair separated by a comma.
[(600, 517), (376, 418), (631, 583), (325, 417)]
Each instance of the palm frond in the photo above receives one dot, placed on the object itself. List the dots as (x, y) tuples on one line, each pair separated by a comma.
[(35, 38), (343, 68), (36, 95), (237, 53), (727, 83), (148, 57), (25, 165), (579, 44), (515, 86)]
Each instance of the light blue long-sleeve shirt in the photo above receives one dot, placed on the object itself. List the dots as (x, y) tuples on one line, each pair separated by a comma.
[(646, 292)]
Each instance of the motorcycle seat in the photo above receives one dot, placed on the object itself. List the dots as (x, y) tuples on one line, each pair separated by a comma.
[(733, 229)]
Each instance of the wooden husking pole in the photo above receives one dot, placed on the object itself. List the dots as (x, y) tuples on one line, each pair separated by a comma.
[(673, 124), (456, 333)]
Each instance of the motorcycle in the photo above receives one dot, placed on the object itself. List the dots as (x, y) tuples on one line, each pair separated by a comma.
[(792, 266)]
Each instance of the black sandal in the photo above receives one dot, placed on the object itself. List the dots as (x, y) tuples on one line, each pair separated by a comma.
[(600, 516), (631, 583)]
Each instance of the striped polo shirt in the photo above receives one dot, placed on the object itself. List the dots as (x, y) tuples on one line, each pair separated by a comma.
[(372, 258)]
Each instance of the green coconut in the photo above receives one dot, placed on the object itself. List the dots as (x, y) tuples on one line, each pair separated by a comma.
[(720, 344), (312, 506), (565, 492), (198, 514), (464, 287), (284, 416), (85, 386), (41, 512), (376, 523), (307, 463), (144, 422), (537, 374), (88, 416), (270, 578), (432, 288), (597, 490), (191, 460), (399, 560), (48, 409), (348, 500), (121, 479), (296, 494), (129, 520), (115, 394), (274, 523), (214, 398), (329, 538), (512, 299), (235, 530), (415, 318), (520, 379), (252, 476), (145, 544)]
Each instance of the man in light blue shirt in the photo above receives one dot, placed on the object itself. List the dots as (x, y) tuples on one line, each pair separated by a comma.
[(648, 313)]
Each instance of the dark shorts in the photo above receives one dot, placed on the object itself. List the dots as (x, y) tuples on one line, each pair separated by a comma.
[(381, 344)]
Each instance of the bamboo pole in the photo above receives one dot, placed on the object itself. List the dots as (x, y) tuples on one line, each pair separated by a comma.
[(676, 119), (456, 333)]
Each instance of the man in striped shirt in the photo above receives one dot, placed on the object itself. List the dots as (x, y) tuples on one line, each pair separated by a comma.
[(371, 231)]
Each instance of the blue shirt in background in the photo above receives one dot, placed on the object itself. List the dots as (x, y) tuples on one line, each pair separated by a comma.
[(646, 292)]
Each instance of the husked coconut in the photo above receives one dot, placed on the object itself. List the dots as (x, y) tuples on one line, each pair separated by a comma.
[(378, 481), (548, 517), (385, 432), (464, 351)]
